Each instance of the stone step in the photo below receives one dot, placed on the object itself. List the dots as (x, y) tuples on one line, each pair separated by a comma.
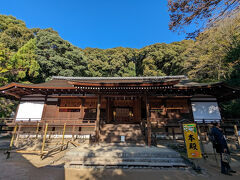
[(121, 154), (126, 155), (119, 136), (124, 144), (121, 131), (129, 142), (76, 164), (114, 139), (127, 159), (120, 127), (111, 133)]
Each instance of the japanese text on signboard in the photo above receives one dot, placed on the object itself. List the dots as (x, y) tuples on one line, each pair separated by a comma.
[(191, 140)]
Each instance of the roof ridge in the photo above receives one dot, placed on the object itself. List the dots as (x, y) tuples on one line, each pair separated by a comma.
[(120, 78)]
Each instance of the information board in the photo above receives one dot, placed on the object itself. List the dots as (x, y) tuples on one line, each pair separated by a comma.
[(191, 140)]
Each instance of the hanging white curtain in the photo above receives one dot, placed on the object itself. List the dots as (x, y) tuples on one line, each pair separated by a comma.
[(30, 111), (207, 111)]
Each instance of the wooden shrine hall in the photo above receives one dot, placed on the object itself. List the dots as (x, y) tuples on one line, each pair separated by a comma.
[(101, 105)]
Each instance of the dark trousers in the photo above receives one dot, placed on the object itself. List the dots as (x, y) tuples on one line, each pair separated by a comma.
[(225, 167)]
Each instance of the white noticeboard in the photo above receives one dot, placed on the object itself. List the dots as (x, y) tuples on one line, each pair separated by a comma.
[(207, 111), (122, 138), (30, 110)]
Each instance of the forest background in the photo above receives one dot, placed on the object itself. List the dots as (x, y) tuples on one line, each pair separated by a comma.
[(35, 55)]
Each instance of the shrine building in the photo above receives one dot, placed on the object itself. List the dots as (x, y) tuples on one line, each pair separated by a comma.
[(99, 106)]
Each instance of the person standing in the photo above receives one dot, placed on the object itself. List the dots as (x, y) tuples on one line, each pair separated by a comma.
[(220, 144)]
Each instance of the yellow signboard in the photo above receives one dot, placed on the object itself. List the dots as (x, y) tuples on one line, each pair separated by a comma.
[(191, 140)]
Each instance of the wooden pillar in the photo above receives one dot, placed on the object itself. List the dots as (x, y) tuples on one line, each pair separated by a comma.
[(97, 130), (18, 133), (44, 109), (173, 133), (148, 123), (37, 130), (73, 132), (44, 138), (63, 135), (43, 129), (200, 138), (13, 136), (190, 110), (135, 110), (236, 134), (15, 116), (139, 109), (108, 110), (82, 109), (57, 111)]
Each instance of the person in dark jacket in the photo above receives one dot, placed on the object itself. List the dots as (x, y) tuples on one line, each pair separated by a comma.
[(221, 147)]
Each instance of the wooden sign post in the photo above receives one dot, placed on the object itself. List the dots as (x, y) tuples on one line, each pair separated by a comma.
[(191, 141)]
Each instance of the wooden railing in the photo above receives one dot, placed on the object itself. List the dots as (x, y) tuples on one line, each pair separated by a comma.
[(79, 121), (50, 121), (6, 121)]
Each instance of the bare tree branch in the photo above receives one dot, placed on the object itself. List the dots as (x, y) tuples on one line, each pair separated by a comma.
[(200, 12)]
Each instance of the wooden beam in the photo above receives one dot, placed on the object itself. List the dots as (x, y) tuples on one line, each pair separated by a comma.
[(148, 123), (12, 94), (98, 118)]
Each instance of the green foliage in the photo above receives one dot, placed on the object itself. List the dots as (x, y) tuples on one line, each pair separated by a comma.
[(5, 56), (6, 107), (13, 33), (58, 57), (213, 56), (231, 109), (24, 63), (163, 59), (111, 62)]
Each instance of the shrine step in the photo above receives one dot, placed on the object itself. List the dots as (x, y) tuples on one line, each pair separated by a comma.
[(118, 139), (105, 155), (129, 133), (121, 132), (120, 127), (74, 164)]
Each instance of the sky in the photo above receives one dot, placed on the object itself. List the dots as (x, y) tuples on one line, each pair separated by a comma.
[(98, 23)]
